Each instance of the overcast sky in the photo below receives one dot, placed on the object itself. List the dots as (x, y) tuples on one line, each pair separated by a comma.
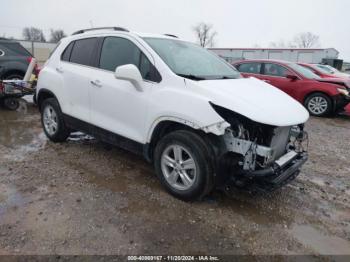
[(239, 23)]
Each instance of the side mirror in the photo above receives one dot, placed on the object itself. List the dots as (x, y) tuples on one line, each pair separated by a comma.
[(292, 77), (129, 73)]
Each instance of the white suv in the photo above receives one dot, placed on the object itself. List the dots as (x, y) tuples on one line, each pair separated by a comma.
[(180, 106)]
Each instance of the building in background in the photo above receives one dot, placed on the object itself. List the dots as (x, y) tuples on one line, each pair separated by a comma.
[(315, 56), (41, 51)]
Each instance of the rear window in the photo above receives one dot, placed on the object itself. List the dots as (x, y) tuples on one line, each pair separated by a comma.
[(14, 49), (82, 51)]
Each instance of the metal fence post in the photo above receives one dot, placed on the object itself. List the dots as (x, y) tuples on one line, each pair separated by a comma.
[(33, 49)]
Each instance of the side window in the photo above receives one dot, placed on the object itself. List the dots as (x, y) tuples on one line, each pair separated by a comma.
[(252, 68), (67, 52), (275, 70), (145, 67), (118, 51), (82, 51)]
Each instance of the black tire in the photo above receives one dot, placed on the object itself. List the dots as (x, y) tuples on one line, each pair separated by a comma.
[(61, 133), (326, 101), (34, 100), (14, 76), (200, 153), (11, 103)]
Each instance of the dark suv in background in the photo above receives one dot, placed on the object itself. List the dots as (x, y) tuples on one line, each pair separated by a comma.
[(14, 59)]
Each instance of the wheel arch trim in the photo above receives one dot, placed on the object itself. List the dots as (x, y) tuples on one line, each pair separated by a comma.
[(40, 96), (215, 128)]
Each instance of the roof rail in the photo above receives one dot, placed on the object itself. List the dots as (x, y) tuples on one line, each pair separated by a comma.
[(100, 28), (171, 35)]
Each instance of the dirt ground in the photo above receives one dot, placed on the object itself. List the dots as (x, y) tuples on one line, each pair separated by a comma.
[(81, 197)]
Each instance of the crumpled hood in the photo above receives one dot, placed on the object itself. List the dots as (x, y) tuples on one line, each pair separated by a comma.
[(254, 99)]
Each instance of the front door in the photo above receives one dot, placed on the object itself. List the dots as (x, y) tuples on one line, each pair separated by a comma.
[(116, 105), (250, 69), (275, 75)]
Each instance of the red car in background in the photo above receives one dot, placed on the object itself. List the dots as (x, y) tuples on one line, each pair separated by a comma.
[(321, 71), (321, 96)]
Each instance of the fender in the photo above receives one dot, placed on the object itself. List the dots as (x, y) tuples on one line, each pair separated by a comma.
[(215, 128), (44, 93)]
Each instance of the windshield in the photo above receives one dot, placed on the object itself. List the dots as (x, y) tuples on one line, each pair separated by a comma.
[(328, 68), (322, 70), (316, 68), (307, 73), (192, 61), (325, 68)]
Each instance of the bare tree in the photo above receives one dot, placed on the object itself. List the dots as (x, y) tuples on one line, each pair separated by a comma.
[(205, 34), (307, 40), (33, 34), (282, 44), (3, 36), (277, 44), (56, 35)]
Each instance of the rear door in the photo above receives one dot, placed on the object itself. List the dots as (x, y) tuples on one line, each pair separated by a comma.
[(76, 68), (275, 74)]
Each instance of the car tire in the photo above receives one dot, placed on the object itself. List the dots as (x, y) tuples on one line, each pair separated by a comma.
[(318, 104), (14, 76), (53, 122), (11, 103), (34, 100), (183, 165)]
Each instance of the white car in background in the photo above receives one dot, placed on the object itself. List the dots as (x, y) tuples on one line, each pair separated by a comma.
[(180, 106)]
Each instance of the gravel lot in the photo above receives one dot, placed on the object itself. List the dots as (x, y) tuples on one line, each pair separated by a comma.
[(82, 197)]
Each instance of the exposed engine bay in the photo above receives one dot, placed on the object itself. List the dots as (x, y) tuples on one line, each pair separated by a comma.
[(256, 150), (265, 145)]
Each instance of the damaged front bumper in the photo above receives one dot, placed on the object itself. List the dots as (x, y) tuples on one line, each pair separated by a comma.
[(340, 102), (277, 173), (261, 165)]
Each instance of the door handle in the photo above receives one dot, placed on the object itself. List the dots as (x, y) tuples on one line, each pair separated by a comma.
[(266, 81), (96, 83), (59, 69)]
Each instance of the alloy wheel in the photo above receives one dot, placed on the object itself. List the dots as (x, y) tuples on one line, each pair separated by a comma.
[(318, 105), (178, 167), (50, 120)]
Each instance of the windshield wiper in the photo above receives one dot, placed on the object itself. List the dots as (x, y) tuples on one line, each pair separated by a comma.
[(192, 77), (226, 77)]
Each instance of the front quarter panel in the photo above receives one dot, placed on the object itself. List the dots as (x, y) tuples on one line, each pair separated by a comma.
[(309, 87), (180, 104)]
